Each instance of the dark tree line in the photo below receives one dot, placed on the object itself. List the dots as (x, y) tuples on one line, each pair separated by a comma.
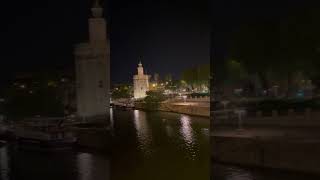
[(198, 75), (43, 94), (278, 50)]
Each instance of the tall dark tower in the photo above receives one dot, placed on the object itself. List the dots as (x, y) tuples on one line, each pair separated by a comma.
[(93, 70)]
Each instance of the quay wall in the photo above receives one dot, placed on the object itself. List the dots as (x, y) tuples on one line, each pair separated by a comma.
[(290, 155), (183, 109)]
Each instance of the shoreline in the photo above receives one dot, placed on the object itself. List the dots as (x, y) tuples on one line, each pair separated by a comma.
[(201, 111), (148, 110)]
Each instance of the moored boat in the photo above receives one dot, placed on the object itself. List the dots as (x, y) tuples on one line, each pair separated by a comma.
[(44, 135)]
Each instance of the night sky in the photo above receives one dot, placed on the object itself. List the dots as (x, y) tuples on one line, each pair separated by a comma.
[(227, 16), (169, 35)]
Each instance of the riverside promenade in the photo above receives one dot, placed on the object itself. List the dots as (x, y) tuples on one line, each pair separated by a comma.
[(191, 106)]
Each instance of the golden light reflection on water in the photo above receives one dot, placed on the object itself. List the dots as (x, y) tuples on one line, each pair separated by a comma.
[(169, 131), (85, 166), (143, 131), (238, 174), (111, 118), (188, 135), (4, 164)]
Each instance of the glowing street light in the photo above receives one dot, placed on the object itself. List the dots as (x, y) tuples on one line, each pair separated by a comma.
[(184, 99), (240, 113), (224, 103)]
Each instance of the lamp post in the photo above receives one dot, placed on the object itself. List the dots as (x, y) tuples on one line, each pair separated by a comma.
[(225, 103), (240, 112), (276, 90), (184, 99)]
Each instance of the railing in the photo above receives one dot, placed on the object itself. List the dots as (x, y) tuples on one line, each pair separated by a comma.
[(288, 118)]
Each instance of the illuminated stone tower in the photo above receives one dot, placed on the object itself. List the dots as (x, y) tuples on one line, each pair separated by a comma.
[(140, 83), (92, 61)]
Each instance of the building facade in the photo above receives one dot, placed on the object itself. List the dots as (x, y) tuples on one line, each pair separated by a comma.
[(92, 61), (140, 83)]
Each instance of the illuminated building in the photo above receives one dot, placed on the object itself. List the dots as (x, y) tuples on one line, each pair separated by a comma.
[(140, 83)]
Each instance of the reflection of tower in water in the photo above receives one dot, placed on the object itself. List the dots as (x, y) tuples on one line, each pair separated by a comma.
[(84, 166), (111, 118), (93, 167), (187, 135), (143, 131), (4, 164)]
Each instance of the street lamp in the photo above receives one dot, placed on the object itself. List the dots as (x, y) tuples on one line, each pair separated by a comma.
[(240, 113), (184, 99), (225, 103), (276, 90)]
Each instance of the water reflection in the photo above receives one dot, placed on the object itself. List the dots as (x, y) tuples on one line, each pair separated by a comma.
[(4, 164), (205, 132), (143, 132), (111, 119), (175, 149), (84, 161), (186, 129), (187, 135), (238, 174), (169, 131)]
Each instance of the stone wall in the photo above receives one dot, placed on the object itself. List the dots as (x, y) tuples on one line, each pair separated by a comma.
[(280, 154), (183, 109)]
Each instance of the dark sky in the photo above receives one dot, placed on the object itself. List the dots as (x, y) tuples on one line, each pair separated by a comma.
[(169, 35), (227, 16)]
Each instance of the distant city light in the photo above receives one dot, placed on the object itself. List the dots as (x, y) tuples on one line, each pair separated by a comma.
[(185, 98), (51, 84)]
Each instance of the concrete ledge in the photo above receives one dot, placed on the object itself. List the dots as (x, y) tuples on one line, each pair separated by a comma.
[(286, 154), (179, 108)]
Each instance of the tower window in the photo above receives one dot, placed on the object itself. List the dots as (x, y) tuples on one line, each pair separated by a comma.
[(100, 84)]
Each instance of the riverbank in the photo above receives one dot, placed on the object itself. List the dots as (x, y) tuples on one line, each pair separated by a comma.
[(267, 149), (193, 109)]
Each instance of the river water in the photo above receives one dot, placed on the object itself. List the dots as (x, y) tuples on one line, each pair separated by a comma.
[(146, 146), (24, 165), (160, 146)]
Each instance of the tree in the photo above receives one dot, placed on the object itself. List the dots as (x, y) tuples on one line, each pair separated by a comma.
[(122, 91), (153, 99), (197, 76), (43, 95), (281, 48), (236, 71), (42, 101)]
